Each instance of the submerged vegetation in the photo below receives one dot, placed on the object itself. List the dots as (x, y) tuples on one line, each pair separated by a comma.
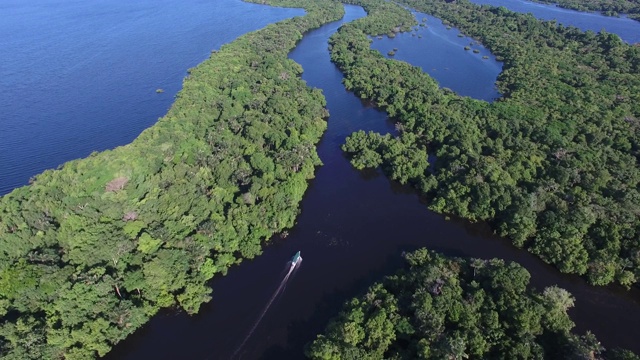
[(553, 164), (90, 251), (444, 308)]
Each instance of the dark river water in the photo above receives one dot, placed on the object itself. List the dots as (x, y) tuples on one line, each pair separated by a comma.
[(352, 230), (81, 76)]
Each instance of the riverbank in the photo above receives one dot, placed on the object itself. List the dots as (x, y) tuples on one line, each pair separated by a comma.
[(352, 229), (81, 77), (481, 172), (627, 8), (627, 29), (91, 251)]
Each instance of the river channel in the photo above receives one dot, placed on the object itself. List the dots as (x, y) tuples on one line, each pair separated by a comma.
[(352, 229)]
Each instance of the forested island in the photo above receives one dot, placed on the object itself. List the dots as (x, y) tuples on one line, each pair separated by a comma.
[(630, 8), (89, 252), (553, 164), (92, 250), (449, 308)]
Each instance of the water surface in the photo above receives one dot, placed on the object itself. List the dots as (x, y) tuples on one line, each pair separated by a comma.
[(627, 29), (80, 76), (439, 51)]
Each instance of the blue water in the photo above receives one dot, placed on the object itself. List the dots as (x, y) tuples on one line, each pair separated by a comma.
[(627, 29), (440, 53), (80, 76)]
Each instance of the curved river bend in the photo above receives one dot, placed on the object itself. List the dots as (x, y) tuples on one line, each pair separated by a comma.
[(352, 229)]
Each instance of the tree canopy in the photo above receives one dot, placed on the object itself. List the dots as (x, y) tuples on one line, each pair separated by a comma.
[(553, 164), (450, 308), (90, 251), (631, 8)]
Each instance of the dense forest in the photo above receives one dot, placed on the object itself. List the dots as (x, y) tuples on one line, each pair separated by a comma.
[(89, 252), (553, 165), (631, 8), (446, 308)]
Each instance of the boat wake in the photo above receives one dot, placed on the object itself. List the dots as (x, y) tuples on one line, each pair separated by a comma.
[(293, 265)]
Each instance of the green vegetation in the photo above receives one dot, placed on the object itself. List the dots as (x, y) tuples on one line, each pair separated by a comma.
[(443, 308), (383, 18), (90, 251), (607, 7), (553, 165)]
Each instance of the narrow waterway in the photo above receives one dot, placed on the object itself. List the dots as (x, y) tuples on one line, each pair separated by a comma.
[(352, 230), (627, 29)]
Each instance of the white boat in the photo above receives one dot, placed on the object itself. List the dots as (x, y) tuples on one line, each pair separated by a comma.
[(296, 259)]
